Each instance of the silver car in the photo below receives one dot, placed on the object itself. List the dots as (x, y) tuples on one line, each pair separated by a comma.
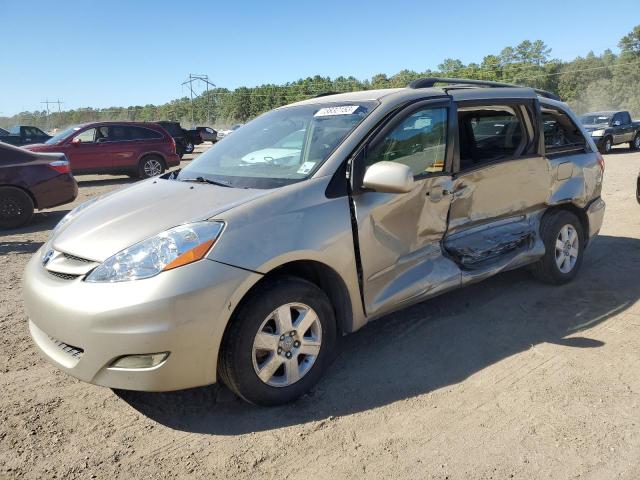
[(304, 225)]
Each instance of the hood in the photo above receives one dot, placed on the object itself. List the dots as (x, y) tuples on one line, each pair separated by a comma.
[(592, 127), (270, 154), (128, 216)]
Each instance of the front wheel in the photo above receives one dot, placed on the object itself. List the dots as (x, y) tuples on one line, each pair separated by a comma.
[(607, 145), (279, 342), (188, 148), (150, 167), (635, 143), (16, 207), (563, 237)]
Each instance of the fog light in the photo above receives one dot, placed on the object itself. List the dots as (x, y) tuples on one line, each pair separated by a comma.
[(146, 360)]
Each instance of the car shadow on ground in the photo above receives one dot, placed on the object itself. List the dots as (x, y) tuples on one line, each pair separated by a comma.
[(429, 346), (41, 221)]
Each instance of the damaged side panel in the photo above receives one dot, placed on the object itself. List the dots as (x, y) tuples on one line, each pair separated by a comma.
[(475, 248)]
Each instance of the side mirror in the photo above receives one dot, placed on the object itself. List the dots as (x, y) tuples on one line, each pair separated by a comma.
[(388, 177), (617, 123), (76, 141)]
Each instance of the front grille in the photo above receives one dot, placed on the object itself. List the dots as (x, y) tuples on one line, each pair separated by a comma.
[(63, 276), (68, 256), (74, 352)]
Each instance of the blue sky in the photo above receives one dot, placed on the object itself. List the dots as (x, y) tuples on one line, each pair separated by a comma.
[(121, 53)]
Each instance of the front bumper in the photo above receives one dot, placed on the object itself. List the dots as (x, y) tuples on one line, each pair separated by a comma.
[(182, 311)]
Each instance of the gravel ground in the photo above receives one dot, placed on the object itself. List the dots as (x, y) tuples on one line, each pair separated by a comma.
[(508, 378)]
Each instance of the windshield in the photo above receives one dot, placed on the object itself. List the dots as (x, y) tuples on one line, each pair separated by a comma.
[(62, 135), (595, 119), (280, 147)]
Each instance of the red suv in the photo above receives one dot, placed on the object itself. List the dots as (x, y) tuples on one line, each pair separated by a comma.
[(133, 148)]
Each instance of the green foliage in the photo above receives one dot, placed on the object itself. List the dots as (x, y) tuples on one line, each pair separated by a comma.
[(594, 82)]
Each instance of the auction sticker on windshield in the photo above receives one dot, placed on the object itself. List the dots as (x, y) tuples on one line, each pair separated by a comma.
[(341, 110), (306, 167)]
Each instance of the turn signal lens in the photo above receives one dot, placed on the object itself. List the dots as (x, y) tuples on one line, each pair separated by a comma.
[(193, 255)]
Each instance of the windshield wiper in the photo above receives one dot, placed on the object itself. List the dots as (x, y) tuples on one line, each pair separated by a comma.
[(205, 180)]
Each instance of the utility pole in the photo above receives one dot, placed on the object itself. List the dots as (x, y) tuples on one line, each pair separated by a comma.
[(194, 78)]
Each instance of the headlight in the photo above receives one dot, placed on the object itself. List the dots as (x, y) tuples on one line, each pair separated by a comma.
[(167, 250), (73, 213), (597, 133)]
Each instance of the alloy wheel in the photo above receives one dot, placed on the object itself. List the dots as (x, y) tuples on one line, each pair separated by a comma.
[(567, 248), (152, 167), (287, 345)]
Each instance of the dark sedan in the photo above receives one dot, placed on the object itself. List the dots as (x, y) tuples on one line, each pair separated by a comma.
[(31, 180)]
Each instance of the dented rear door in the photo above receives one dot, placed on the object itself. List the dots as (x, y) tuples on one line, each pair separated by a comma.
[(494, 204)]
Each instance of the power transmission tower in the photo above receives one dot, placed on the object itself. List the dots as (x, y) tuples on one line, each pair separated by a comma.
[(47, 102), (194, 77)]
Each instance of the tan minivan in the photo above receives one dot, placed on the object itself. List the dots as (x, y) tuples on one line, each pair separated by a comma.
[(307, 223)]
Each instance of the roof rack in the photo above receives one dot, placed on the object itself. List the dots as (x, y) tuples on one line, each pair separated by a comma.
[(429, 82), (324, 94)]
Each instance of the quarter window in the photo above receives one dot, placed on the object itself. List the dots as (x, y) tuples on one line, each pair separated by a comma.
[(560, 132), (419, 141)]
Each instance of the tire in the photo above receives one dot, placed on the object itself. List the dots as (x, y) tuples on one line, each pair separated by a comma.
[(242, 359), (150, 166), (16, 207), (607, 145), (188, 148), (635, 143), (552, 267)]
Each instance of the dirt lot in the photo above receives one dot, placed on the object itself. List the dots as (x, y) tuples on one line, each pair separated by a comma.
[(505, 379)]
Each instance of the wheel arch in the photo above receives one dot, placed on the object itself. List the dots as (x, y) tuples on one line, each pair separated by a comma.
[(577, 211), (25, 190), (321, 275), (153, 154)]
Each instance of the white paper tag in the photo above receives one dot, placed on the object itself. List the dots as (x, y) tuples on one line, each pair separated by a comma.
[(306, 167), (341, 110)]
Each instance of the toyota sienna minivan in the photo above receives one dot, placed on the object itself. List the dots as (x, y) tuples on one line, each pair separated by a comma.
[(247, 265)]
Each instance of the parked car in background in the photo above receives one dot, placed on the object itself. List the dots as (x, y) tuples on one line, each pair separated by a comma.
[(30, 181), (24, 135), (136, 149), (224, 133), (612, 128), (248, 272), (207, 134), (4, 132), (186, 140)]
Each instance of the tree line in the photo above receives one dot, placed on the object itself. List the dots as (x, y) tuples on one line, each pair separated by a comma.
[(594, 82)]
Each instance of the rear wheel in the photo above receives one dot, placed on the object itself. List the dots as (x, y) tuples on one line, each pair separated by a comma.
[(16, 207), (563, 237), (188, 148), (279, 342), (635, 143), (150, 166)]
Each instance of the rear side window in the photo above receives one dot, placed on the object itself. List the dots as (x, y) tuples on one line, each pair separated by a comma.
[(561, 135), (418, 141), (489, 134), (141, 133), (118, 133)]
